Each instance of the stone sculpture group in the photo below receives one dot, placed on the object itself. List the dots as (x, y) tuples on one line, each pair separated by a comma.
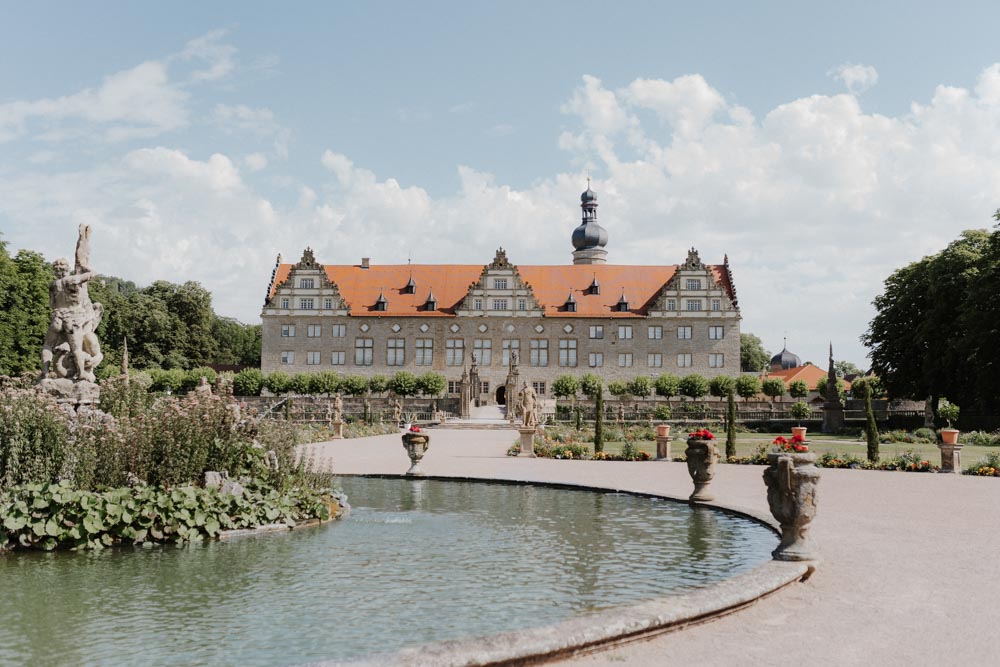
[(71, 351)]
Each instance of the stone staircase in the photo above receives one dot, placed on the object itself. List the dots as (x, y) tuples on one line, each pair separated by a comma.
[(489, 417)]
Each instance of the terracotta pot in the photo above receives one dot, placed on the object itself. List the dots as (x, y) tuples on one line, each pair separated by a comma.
[(663, 430), (949, 436), (799, 430)]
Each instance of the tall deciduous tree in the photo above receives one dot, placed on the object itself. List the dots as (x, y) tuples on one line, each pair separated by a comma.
[(753, 357)]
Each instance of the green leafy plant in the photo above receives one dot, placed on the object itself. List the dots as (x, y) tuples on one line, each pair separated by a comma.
[(799, 411), (667, 385), (948, 411), (248, 382)]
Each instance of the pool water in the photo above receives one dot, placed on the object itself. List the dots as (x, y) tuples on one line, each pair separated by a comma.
[(416, 561)]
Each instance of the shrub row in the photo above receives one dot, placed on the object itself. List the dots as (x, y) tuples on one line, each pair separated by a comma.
[(251, 381)]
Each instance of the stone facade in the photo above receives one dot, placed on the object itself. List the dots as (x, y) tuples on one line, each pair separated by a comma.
[(613, 320)]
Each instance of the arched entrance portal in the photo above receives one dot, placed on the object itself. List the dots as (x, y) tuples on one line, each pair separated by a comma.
[(501, 395)]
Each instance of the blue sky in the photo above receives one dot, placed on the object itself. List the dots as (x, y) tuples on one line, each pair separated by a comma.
[(820, 147)]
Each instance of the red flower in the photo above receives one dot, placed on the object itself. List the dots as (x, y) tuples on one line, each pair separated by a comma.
[(414, 429), (780, 440), (702, 434), (800, 448), (797, 439)]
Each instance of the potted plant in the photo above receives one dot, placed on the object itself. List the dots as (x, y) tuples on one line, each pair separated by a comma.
[(949, 412), (799, 410)]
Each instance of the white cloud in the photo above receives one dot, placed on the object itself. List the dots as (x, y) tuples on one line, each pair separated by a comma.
[(255, 161), (501, 130), (857, 78), (217, 58), (258, 122)]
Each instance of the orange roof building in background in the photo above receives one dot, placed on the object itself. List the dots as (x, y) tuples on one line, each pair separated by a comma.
[(589, 316)]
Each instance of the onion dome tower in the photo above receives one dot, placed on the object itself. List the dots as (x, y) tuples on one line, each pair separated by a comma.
[(785, 359), (589, 238)]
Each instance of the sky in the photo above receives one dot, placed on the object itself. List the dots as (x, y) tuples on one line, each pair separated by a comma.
[(819, 145)]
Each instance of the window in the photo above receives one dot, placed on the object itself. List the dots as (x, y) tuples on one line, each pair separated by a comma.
[(454, 387), (654, 360), (499, 304), (539, 352), (597, 332), (284, 303), (484, 387), (287, 330), (395, 353), (522, 304), (499, 283), (339, 330), (338, 358), (454, 350), (671, 304), (483, 349), (363, 351), (425, 351), (655, 333), (312, 358), (596, 359), (567, 352), (287, 358), (715, 333), (716, 304), (539, 388), (509, 345), (306, 283), (477, 304), (716, 360), (625, 359), (683, 333), (684, 360), (314, 331), (306, 304), (694, 304), (624, 332), (328, 304), (692, 283)]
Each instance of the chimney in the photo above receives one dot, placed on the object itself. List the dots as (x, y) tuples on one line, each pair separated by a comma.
[(365, 262)]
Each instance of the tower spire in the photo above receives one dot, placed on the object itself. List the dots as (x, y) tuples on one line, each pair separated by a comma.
[(589, 238)]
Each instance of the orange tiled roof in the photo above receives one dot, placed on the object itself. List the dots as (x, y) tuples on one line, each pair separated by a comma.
[(809, 374), (450, 283)]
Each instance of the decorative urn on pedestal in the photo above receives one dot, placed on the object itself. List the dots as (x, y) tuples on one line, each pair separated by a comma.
[(791, 478), (416, 444), (701, 455), (663, 442), (951, 451)]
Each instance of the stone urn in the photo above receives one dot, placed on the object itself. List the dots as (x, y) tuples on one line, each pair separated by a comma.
[(416, 445), (701, 457), (791, 480)]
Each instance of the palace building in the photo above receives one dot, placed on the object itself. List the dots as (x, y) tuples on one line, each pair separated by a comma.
[(613, 320)]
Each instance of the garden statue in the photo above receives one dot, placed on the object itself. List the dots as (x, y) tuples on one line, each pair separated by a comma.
[(203, 389), (621, 413), (528, 403), (71, 350), (338, 409), (397, 412)]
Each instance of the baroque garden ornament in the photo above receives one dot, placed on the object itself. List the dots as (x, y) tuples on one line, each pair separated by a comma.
[(701, 455), (791, 480), (71, 351)]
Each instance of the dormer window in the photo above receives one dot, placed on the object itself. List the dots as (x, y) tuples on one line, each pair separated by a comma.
[(570, 305), (431, 303), (595, 287), (622, 305), (382, 303), (410, 287)]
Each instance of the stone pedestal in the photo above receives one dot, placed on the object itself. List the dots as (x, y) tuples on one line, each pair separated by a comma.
[(791, 481), (338, 430), (701, 457), (416, 445), (527, 442), (663, 442), (82, 393), (951, 457)]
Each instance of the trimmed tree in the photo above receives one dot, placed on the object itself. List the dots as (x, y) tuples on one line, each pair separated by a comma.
[(821, 387), (591, 385), (667, 385), (799, 411), (721, 386), (248, 382), (640, 387), (277, 382), (378, 384), (565, 386), (299, 383), (731, 422), (354, 385), (694, 386), (798, 389), (599, 420), (324, 382), (871, 428), (773, 388), (431, 384), (402, 383), (747, 386)]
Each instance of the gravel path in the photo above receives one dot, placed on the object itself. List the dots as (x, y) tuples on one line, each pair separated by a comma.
[(908, 577)]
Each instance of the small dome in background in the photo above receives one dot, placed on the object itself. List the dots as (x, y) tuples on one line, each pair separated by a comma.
[(785, 360)]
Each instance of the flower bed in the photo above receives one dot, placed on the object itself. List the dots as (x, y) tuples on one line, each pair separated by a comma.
[(988, 466)]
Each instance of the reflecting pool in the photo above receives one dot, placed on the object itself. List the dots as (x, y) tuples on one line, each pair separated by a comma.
[(416, 561)]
